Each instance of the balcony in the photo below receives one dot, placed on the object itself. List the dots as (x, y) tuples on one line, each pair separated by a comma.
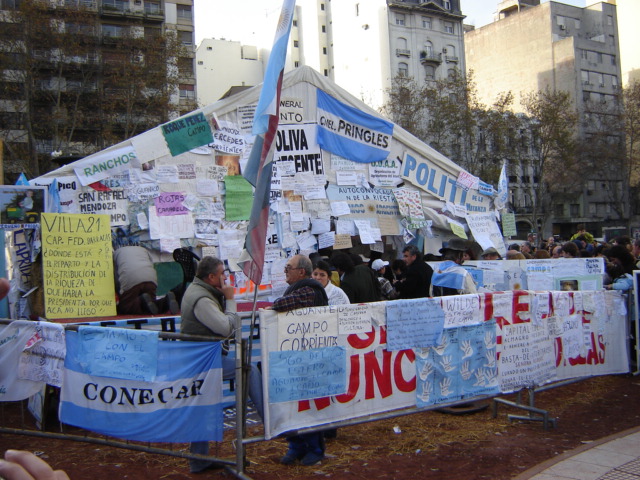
[(429, 58), (451, 59), (403, 52)]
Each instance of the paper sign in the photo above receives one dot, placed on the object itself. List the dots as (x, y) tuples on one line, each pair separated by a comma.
[(186, 133), (238, 198), (340, 208), (120, 352), (300, 375), (170, 203), (354, 319), (78, 265), (414, 323), (342, 241)]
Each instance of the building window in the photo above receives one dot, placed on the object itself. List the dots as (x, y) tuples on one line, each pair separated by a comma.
[(400, 19), (186, 38), (9, 4), (612, 40), (583, 54), (609, 20), (430, 72), (296, 64), (574, 210), (600, 79), (427, 22), (152, 8), (428, 48), (592, 209), (450, 51), (114, 31), (322, 6), (295, 23), (599, 57), (188, 91), (559, 210), (295, 43), (326, 72), (324, 50), (403, 69), (451, 72), (576, 23), (446, 4), (614, 81), (184, 11), (209, 48), (613, 59), (200, 62), (585, 77), (448, 27), (324, 29), (586, 96)]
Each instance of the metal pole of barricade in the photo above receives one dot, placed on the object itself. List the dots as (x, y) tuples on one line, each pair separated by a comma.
[(240, 388)]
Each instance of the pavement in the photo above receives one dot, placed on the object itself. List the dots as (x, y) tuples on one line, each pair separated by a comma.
[(616, 457)]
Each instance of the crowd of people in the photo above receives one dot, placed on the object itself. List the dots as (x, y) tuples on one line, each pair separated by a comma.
[(208, 307)]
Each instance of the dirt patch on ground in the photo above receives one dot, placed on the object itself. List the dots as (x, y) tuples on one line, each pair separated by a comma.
[(435, 445)]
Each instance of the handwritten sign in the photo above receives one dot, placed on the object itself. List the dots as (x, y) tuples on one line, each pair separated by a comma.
[(354, 319), (486, 232), (527, 357), (461, 310), (120, 352), (308, 328), (42, 359), (186, 133), (300, 375), (170, 203), (416, 323), (78, 268)]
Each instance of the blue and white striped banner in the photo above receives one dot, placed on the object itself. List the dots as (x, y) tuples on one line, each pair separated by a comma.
[(183, 404), (350, 133)]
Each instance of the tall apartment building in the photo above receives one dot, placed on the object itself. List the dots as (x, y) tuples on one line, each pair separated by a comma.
[(362, 45), (80, 75), (222, 64), (562, 48)]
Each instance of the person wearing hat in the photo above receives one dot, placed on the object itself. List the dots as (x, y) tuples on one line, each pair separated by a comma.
[(449, 278), (490, 254), (379, 266), (417, 279)]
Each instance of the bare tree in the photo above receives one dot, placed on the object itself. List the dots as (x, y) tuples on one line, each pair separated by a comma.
[(75, 86), (553, 166)]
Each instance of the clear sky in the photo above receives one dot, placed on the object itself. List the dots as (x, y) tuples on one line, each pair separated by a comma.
[(245, 20)]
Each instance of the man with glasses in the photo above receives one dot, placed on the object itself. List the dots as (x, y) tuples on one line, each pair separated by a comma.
[(303, 291), (208, 309)]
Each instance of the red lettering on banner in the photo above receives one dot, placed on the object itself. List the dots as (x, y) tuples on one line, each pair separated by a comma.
[(402, 384), (520, 304), (354, 381), (383, 377)]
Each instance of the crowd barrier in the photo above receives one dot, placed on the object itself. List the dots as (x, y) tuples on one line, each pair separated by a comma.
[(327, 366)]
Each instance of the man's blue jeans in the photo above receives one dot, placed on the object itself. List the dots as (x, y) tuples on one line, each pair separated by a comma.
[(255, 394)]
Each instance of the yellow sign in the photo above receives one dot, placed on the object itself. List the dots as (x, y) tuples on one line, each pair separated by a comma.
[(78, 266)]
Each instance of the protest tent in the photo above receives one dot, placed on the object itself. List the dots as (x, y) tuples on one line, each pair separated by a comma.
[(340, 170)]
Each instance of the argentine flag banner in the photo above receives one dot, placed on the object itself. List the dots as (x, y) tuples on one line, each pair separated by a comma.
[(182, 403), (350, 133)]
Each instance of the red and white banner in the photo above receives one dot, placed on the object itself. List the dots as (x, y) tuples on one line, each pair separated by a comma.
[(539, 337)]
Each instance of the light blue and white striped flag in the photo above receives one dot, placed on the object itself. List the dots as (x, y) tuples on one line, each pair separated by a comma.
[(182, 404), (351, 133)]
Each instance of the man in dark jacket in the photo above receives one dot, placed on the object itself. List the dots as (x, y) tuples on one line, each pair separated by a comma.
[(417, 279), (358, 281), (303, 291)]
